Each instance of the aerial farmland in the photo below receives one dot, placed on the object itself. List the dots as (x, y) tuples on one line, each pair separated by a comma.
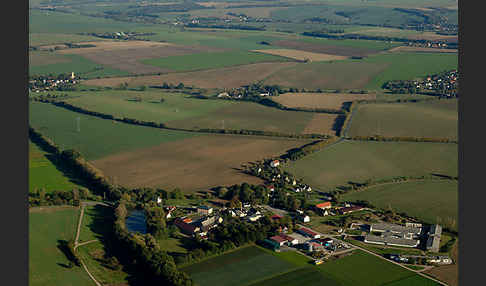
[(243, 142)]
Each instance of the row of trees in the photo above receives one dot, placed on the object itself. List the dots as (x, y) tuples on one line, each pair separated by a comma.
[(402, 138), (254, 194), (40, 197)]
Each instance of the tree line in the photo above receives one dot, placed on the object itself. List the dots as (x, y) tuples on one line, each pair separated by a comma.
[(402, 138)]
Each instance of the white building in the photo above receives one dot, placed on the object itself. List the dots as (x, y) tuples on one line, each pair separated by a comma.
[(274, 163)]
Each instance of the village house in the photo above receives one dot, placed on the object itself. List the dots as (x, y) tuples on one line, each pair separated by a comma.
[(308, 232), (350, 209), (185, 227), (204, 210), (274, 163), (279, 239)]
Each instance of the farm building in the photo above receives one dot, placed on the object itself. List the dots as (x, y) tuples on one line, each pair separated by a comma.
[(276, 217), (324, 205), (433, 241), (305, 218), (308, 232), (274, 163), (290, 240), (186, 228), (440, 260), (204, 210), (394, 228), (279, 239), (391, 240), (313, 246), (271, 244), (254, 217)]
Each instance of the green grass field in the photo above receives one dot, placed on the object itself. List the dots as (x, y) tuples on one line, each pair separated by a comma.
[(239, 267), (424, 119), (44, 174), (406, 66), (92, 254), (426, 200), (176, 106), (79, 65), (358, 161), (248, 115), (47, 264), (97, 137), (308, 276), (212, 60), (364, 269), (40, 39), (95, 223)]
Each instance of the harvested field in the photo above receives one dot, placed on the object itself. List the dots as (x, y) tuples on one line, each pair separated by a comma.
[(301, 55), (193, 164), (437, 119), (319, 100), (322, 123), (229, 77), (420, 49), (345, 74), (127, 55), (446, 273), (315, 47), (110, 46)]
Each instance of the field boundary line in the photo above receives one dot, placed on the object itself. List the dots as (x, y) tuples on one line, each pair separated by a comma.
[(276, 275)]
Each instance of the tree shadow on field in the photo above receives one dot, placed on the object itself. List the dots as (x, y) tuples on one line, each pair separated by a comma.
[(65, 171), (338, 124)]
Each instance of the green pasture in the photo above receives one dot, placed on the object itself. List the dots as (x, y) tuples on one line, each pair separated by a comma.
[(358, 161), (407, 66), (308, 276), (96, 223), (364, 269), (250, 116), (92, 255), (41, 39), (423, 119), (96, 137), (47, 263), (44, 174), (80, 65), (120, 103), (368, 45), (212, 60), (431, 201), (239, 267), (69, 23)]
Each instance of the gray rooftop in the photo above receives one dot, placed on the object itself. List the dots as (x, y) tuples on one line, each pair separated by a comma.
[(389, 240), (383, 227), (433, 243), (435, 230)]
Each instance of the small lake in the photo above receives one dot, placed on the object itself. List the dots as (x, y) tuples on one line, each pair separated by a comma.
[(135, 221)]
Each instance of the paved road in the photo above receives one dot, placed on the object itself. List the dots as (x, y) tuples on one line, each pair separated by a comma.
[(381, 257)]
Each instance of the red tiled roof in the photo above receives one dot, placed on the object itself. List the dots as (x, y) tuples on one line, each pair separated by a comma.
[(308, 231), (324, 204), (276, 216), (278, 238), (289, 238)]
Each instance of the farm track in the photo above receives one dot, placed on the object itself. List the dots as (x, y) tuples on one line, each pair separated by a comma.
[(77, 244)]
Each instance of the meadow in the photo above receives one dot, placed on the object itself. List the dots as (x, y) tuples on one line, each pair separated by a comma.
[(212, 60), (308, 276), (44, 174), (94, 224), (406, 66), (58, 64), (239, 267), (121, 103), (423, 119), (431, 201), (364, 269), (96, 137), (41, 39), (47, 263), (358, 161)]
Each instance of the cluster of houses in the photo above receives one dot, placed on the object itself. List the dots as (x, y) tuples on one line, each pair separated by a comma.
[(444, 83), (46, 83), (441, 259), (325, 208)]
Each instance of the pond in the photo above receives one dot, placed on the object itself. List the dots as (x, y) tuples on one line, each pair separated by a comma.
[(135, 221)]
